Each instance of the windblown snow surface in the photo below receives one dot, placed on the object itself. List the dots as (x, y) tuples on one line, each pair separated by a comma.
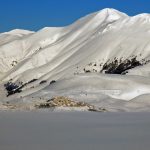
[(102, 59)]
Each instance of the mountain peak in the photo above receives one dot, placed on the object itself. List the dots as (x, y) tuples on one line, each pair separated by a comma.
[(112, 11), (112, 14)]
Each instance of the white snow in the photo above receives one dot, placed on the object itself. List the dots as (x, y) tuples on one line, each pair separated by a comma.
[(64, 53)]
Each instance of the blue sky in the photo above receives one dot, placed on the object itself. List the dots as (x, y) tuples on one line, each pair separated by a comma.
[(36, 14)]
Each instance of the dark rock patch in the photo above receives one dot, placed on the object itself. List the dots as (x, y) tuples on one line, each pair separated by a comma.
[(12, 88), (43, 81), (53, 81), (120, 66)]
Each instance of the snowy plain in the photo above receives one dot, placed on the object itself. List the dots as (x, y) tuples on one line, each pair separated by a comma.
[(71, 131)]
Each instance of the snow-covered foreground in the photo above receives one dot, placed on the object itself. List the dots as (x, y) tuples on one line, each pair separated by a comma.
[(72, 131), (102, 59)]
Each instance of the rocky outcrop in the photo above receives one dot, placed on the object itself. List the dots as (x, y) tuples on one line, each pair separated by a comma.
[(61, 101)]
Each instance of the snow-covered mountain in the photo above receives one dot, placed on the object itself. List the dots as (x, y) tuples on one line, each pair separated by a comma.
[(102, 59)]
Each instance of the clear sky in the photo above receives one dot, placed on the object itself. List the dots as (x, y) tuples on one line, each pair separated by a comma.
[(36, 14)]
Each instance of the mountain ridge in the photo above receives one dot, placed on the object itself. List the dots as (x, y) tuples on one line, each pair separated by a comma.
[(103, 10)]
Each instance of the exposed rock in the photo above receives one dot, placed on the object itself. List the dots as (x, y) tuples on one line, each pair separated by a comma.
[(115, 66), (53, 81), (13, 88), (43, 81), (120, 66), (61, 101), (31, 81)]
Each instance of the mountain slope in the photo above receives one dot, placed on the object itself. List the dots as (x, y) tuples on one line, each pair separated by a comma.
[(105, 42)]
